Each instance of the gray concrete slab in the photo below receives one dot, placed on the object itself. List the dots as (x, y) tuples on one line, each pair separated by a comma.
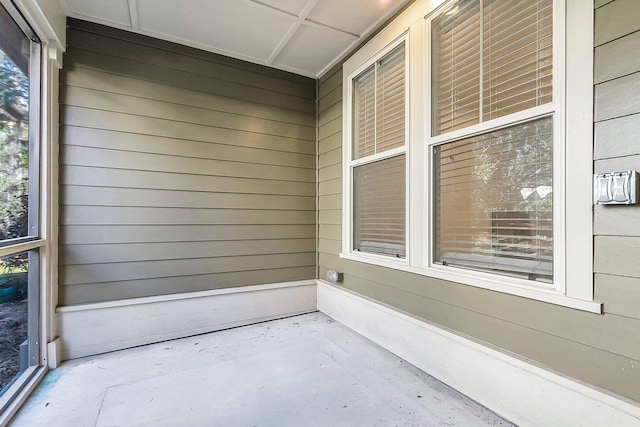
[(301, 371)]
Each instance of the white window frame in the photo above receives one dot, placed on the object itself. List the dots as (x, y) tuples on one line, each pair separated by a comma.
[(350, 163), (572, 109)]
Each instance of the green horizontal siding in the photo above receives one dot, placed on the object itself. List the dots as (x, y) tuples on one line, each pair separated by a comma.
[(133, 252), (617, 122), (105, 291), (126, 178), (180, 170), (80, 77), (99, 273)]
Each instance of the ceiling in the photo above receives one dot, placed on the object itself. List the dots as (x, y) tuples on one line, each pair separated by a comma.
[(306, 37)]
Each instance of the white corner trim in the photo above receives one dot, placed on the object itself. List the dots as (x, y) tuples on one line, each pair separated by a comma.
[(54, 353), (519, 391), (89, 329)]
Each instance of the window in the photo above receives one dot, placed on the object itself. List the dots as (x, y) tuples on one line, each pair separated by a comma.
[(378, 157), (20, 240), (490, 183), (490, 58), (493, 204), (493, 201)]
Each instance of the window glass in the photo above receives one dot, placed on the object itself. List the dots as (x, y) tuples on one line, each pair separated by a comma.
[(379, 106), (494, 201), (390, 108), (455, 63), (364, 117), (490, 58), (14, 325), (14, 131), (379, 207), (517, 56)]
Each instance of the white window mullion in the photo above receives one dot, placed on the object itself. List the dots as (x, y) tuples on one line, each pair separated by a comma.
[(380, 156), (416, 173), (578, 164)]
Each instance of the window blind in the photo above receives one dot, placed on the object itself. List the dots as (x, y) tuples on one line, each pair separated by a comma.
[(379, 207), (456, 67), (517, 55), (493, 200), (379, 106), (364, 117), (390, 108), (490, 58)]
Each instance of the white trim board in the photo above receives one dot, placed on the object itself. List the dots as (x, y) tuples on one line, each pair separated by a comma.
[(90, 329), (519, 391)]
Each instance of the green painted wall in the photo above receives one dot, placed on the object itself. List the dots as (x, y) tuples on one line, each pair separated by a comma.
[(603, 350), (180, 170)]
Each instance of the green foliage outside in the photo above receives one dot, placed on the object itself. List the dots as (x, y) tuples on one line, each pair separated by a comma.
[(517, 157), (14, 161)]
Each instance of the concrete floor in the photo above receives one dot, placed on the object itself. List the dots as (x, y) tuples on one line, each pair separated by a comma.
[(301, 371)]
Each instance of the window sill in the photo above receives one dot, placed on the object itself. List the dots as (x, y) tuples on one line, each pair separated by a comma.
[(512, 286)]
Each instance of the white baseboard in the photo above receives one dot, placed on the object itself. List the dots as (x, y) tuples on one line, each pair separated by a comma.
[(89, 329), (519, 391)]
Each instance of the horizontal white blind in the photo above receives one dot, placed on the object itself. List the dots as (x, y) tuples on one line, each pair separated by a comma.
[(517, 55), (364, 113), (456, 67), (390, 108), (490, 58), (379, 207), (379, 106), (493, 201)]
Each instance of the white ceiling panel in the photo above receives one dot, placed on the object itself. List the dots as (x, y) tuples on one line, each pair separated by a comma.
[(354, 16), (293, 7), (113, 11), (327, 45), (302, 36), (228, 25)]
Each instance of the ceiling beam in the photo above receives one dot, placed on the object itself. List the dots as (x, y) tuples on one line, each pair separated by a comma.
[(133, 15), (292, 30)]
